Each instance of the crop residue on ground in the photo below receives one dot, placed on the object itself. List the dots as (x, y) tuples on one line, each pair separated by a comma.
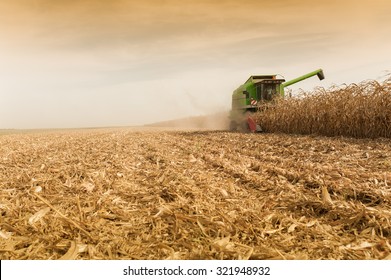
[(125, 194)]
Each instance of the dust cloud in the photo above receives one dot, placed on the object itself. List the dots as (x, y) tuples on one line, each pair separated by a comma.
[(216, 121)]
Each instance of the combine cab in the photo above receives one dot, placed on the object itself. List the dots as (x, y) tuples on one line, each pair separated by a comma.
[(247, 98)]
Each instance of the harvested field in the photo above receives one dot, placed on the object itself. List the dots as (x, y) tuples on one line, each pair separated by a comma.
[(357, 110), (125, 194)]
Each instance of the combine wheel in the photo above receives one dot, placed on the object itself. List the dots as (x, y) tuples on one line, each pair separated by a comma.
[(247, 124), (252, 125)]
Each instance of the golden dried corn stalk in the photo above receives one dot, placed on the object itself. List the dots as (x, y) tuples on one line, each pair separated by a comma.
[(358, 110)]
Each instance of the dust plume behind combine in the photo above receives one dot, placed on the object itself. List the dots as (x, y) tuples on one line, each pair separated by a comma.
[(357, 110), (216, 121)]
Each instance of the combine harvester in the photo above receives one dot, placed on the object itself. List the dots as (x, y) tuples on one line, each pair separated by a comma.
[(248, 98)]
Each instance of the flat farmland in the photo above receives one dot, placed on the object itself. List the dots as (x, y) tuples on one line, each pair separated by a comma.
[(128, 193)]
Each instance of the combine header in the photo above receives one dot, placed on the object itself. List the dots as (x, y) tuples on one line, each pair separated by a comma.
[(258, 89)]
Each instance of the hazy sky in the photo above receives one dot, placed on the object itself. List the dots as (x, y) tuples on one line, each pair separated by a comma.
[(77, 63)]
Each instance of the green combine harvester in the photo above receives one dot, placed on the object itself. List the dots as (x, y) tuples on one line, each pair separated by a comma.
[(248, 98)]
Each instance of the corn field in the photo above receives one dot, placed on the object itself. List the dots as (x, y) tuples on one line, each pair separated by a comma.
[(357, 110)]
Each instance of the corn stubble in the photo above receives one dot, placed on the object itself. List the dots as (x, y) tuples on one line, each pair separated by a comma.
[(124, 194), (357, 110)]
